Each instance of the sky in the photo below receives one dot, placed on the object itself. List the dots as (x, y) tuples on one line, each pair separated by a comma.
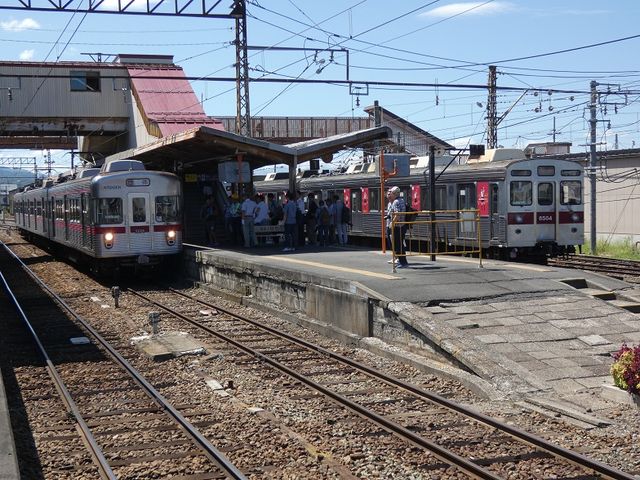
[(436, 55)]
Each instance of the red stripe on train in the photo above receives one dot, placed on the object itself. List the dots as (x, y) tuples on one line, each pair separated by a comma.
[(101, 229), (523, 218), (166, 228), (571, 217)]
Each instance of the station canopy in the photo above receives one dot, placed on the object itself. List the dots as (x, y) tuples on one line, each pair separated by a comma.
[(197, 146)]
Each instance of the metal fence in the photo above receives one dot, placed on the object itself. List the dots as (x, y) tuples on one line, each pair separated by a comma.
[(439, 232)]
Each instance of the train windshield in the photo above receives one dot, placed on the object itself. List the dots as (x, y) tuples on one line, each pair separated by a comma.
[(521, 193), (571, 192), (108, 211), (167, 208)]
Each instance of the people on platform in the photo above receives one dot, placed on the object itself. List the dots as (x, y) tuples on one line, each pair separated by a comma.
[(234, 212), (398, 207), (323, 220), (248, 210), (310, 219), (276, 214), (290, 211), (332, 223), (262, 211), (340, 225), (300, 220), (208, 215)]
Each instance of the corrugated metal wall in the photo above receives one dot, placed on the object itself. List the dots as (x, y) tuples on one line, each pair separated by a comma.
[(43, 92)]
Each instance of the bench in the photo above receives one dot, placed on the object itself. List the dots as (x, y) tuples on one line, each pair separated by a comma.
[(269, 231)]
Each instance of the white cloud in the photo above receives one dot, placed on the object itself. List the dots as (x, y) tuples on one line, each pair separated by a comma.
[(19, 25), (469, 8), (27, 54)]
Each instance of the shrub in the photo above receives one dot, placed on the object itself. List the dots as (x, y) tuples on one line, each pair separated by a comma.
[(626, 368)]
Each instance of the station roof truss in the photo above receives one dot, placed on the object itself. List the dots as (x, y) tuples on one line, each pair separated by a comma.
[(208, 145)]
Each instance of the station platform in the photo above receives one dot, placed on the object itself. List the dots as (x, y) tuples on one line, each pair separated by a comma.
[(537, 331)]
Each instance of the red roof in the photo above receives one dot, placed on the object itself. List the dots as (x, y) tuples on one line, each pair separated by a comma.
[(169, 102)]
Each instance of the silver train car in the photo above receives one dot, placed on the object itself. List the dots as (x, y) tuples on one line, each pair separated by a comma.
[(528, 207), (119, 216)]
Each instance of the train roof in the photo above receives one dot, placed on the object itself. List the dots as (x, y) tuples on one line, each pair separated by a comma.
[(477, 170)]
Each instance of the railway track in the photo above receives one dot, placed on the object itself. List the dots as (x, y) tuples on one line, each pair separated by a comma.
[(628, 270), (457, 440), (88, 408)]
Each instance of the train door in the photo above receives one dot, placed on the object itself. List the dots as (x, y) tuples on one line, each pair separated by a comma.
[(43, 214), (140, 238), (546, 204), (65, 217), (466, 201), (84, 217), (494, 211), (51, 217)]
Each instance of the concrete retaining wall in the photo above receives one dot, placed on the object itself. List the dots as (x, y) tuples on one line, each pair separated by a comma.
[(350, 313)]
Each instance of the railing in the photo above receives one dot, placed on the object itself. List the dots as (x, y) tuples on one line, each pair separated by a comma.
[(439, 232)]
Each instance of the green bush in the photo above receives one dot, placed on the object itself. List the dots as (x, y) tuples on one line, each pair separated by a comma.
[(626, 368)]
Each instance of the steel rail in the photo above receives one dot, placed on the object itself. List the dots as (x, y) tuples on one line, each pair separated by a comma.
[(212, 452), (531, 439), (442, 453), (96, 452)]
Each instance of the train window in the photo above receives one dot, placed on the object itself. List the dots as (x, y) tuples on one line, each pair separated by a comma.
[(356, 200), (520, 173), (441, 198), (108, 210), (374, 199), (139, 207), (546, 171), (570, 173), (521, 193), (167, 208), (59, 210), (545, 193), (466, 196), (571, 192)]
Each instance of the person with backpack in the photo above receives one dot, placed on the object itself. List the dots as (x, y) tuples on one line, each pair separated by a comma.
[(323, 221)]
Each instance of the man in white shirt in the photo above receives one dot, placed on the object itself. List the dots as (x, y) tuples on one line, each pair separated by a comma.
[(248, 210)]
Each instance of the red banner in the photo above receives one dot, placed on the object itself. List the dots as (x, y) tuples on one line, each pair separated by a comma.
[(415, 198), (365, 199), (347, 197), (483, 198)]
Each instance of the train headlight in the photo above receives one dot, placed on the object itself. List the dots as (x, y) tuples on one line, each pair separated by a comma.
[(108, 239), (171, 237)]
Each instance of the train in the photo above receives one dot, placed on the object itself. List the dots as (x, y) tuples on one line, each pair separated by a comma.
[(528, 208), (117, 216)]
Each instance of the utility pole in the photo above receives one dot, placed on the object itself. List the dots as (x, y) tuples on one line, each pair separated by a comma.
[(553, 132), (592, 163), (243, 115), (492, 114)]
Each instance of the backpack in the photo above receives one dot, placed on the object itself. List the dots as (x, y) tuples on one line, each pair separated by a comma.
[(346, 215), (324, 216), (410, 215)]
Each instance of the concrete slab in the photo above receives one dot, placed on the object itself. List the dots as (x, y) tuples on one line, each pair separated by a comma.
[(169, 345), (615, 394)]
